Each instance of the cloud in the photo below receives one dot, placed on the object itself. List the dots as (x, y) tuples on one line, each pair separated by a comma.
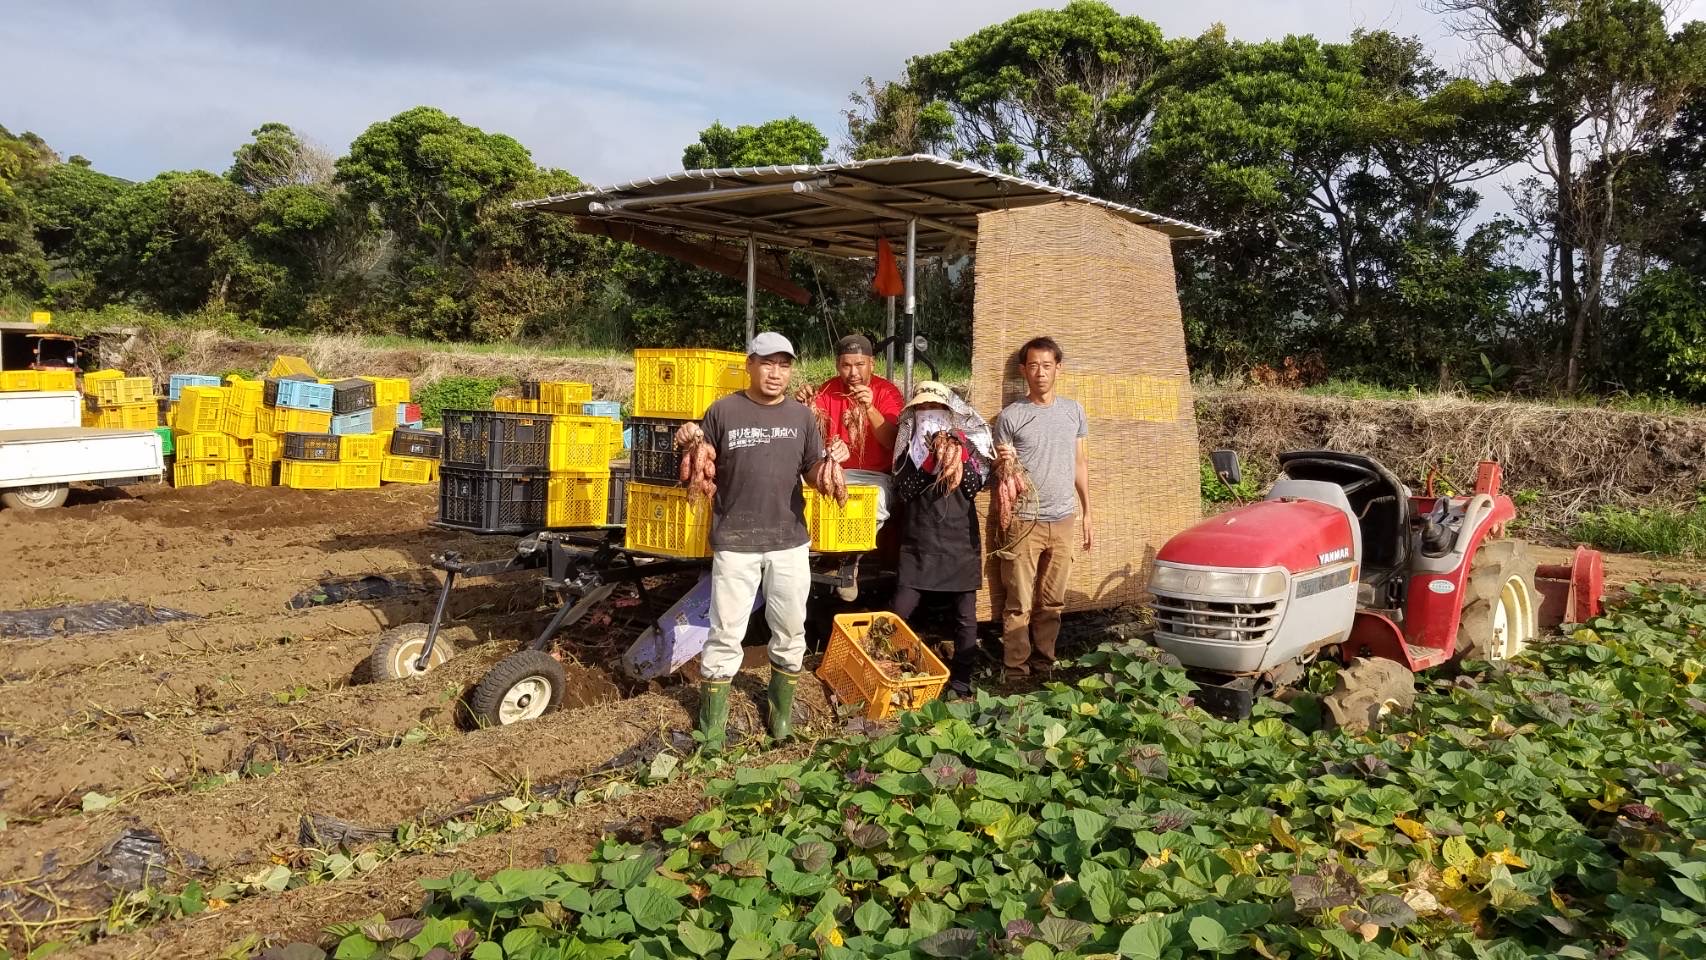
[(608, 90)]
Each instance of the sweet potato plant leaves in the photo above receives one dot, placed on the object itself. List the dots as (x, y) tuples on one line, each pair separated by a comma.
[(1551, 806)]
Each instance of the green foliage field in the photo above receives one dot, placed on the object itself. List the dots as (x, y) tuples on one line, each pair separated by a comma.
[(1551, 807)]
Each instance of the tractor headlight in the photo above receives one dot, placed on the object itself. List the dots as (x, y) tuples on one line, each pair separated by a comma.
[(1244, 585)]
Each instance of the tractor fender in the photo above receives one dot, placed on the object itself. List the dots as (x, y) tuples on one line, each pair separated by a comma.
[(1435, 594)]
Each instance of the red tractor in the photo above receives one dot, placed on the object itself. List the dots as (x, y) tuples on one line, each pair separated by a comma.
[(1341, 560)]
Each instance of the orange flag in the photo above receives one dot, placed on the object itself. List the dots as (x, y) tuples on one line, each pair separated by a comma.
[(888, 282)]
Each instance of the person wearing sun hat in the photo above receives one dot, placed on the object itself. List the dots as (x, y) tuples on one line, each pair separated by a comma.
[(765, 444), (941, 546)]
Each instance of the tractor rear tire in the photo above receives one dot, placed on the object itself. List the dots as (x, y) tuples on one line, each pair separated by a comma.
[(394, 656), (1500, 614), (1367, 690)]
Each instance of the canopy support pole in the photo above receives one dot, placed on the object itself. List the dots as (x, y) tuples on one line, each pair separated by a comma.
[(888, 363), (751, 288), (911, 298)]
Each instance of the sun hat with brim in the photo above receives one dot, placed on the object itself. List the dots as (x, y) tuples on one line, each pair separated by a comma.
[(930, 391)]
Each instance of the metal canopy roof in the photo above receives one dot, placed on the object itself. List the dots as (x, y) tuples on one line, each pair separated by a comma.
[(836, 208)]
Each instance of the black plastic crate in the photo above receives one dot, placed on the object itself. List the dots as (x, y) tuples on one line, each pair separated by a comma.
[(311, 446), (409, 442), (530, 389), (352, 395), (497, 440), (492, 501), (269, 387), (616, 514), (653, 454)]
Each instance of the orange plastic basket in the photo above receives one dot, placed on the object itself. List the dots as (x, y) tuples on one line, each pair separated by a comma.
[(855, 677)]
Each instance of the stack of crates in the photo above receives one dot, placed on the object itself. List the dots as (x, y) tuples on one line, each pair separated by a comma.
[(411, 456), (310, 461), (111, 399), (560, 396), (672, 387), (353, 407), (204, 452), (506, 472), (360, 460)]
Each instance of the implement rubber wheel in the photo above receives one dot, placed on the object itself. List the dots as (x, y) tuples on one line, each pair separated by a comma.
[(1368, 690), (394, 656), (1500, 615), (44, 497), (523, 686)]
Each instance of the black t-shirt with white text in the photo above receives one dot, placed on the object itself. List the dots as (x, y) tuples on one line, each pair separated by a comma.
[(762, 452)]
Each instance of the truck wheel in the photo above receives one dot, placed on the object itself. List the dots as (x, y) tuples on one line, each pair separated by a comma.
[(523, 686), (1367, 690), (44, 497), (1500, 617), (394, 656)]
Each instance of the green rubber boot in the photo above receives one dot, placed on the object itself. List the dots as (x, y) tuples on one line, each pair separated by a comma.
[(714, 713), (782, 687)]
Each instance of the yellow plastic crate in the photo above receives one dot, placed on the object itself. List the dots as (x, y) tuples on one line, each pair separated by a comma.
[(308, 474), (13, 380), (856, 678), (563, 392), (581, 444), (245, 396), (200, 410), (514, 405), (681, 384), (204, 446), (285, 366), (265, 446), (361, 447), (291, 420), (848, 529), (358, 476), (96, 376), (662, 520), (59, 379), (197, 473), (241, 424), (408, 470), (577, 499), (263, 473), (236, 470), (130, 416), (389, 391)]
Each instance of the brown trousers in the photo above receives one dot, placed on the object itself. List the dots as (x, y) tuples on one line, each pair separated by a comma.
[(1034, 585)]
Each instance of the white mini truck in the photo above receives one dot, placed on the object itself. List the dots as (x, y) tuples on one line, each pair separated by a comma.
[(44, 449)]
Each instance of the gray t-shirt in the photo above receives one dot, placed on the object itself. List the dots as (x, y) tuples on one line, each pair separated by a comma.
[(1047, 440), (762, 451)]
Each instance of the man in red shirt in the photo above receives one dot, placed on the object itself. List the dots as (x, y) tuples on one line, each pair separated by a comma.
[(865, 450)]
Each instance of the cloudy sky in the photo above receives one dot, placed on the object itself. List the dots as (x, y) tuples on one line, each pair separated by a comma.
[(608, 90)]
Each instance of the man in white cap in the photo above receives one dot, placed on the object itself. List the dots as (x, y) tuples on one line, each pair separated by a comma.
[(765, 442)]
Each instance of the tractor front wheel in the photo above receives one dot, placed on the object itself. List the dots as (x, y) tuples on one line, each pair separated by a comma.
[(523, 686), (396, 655), (1500, 616), (1366, 691)]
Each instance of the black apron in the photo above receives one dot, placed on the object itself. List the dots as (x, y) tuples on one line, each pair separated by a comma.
[(941, 547)]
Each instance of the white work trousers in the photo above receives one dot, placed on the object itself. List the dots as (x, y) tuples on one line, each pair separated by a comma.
[(881, 481), (786, 577)]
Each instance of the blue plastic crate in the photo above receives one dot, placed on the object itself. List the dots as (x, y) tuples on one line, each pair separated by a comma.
[(175, 386), (609, 409), (359, 422), (305, 395), (627, 438)]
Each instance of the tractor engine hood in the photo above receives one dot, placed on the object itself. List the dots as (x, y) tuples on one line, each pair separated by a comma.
[(1298, 535)]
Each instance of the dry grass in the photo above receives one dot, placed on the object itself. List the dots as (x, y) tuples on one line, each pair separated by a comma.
[(1568, 459)]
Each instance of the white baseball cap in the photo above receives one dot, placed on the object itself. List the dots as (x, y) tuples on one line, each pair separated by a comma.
[(768, 344)]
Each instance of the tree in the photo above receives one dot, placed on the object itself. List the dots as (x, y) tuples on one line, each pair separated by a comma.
[(24, 160), (1064, 96), (892, 119), (426, 174), (1606, 77), (63, 201), (173, 243), (787, 141), (279, 157)]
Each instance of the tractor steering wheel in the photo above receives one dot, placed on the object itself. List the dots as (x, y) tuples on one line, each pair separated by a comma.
[(917, 355)]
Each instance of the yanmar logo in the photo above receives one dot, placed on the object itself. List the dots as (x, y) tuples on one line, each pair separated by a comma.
[(1332, 556)]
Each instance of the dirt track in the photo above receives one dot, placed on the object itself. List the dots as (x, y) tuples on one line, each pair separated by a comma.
[(221, 733)]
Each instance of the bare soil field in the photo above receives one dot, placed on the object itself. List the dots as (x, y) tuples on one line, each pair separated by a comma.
[(230, 736)]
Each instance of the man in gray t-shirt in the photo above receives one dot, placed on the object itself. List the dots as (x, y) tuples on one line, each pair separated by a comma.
[(766, 442), (1048, 435)]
